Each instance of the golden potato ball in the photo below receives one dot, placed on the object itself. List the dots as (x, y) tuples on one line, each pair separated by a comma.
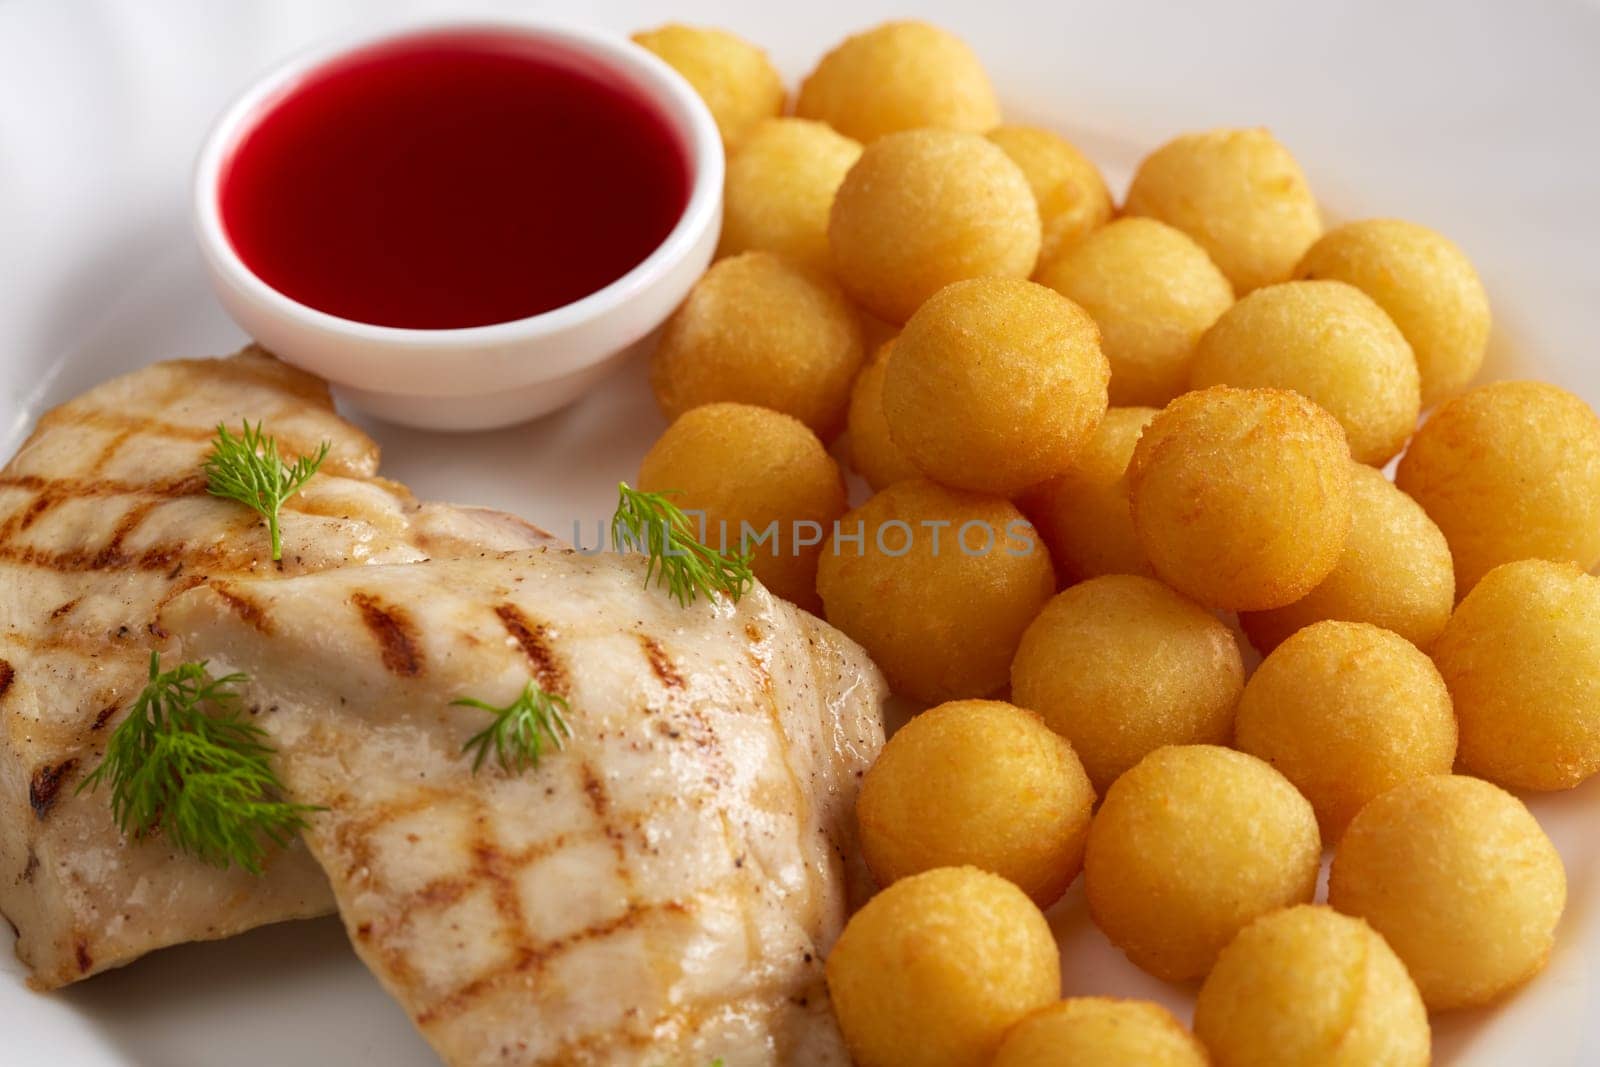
[(1521, 656), (736, 80), (996, 384), (1188, 847), (779, 189), (1153, 292), (1509, 471), (977, 783), (1071, 194), (1425, 284), (1083, 515), (937, 585), (1121, 666), (1346, 711), (925, 208), (1327, 341), (1458, 877), (1241, 497), (1239, 193), (1395, 572), (1100, 1032), (761, 329), (899, 76), (937, 967), (873, 453), (1308, 987), (749, 469)]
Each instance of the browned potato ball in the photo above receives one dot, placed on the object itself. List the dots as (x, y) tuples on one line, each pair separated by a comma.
[(873, 453), (751, 469), (761, 329), (1241, 497), (1122, 665), (1308, 987), (938, 585), (1327, 341), (925, 208), (1083, 515), (1460, 880), (1509, 471), (899, 76), (1153, 292), (1237, 192), (977, 783), (780, 187), (996, 384), (1190, 845), (1346, 711), (1069, 190), (1521, 656), (733, 76), (937, 967), (1395, 572), (1424, 282), (1100, 1032)]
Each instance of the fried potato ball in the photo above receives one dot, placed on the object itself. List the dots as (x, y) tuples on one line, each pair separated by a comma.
[(925, 208), (751, 468), (1153, 292), (1102, 1032), (1521, 656), (1190, 845), (937, 967), (996, 384), (873, 453), (1327, 341), (899, 76), (937, 585), (977, 783), (1237, 192), (1460, 880), (1346, 711), (1122, 665), (779, 189), (761, 329), (1509, 471), (1395, 572), (1425, 284), (736, 80), (1308, 987), (1068, 188), (1083, 515), (1241, 497)]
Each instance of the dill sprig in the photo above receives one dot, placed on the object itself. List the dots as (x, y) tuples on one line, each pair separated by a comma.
[(247, 469), (659, 528), (520, 730), (186, 765)]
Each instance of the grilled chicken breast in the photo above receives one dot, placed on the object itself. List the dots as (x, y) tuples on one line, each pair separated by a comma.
[(103, 518), (659, 892)]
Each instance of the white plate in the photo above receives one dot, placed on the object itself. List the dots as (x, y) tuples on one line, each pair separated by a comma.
[(1478, 120)]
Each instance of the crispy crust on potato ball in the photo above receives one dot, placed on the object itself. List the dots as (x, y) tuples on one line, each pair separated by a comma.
[(1189, 846), (1068, 188), (1122, 665), (734, 77), (996, 384), (1327, 341), (780, 187), (1241, 497), (1346, 711), (1103, 1032), (1458, 877), (873, 453), (1153, 292), (937, 967), (1521, 656), (925, 208), (1509, 471)]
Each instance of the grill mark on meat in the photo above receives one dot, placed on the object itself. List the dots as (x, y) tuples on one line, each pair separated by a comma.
[(80, 950), (8, 674), (393, 631), (74, 487), (64, 608), (30, 514), (533, 638), (103, 717), (660, 663), (29, 869), (253, 614), (45, 786)]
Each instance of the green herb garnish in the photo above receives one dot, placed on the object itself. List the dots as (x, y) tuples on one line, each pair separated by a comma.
[(520, 730), (247, 469), (658, 527)]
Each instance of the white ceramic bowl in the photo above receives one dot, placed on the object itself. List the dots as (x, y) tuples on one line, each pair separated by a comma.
[(485, 376)]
